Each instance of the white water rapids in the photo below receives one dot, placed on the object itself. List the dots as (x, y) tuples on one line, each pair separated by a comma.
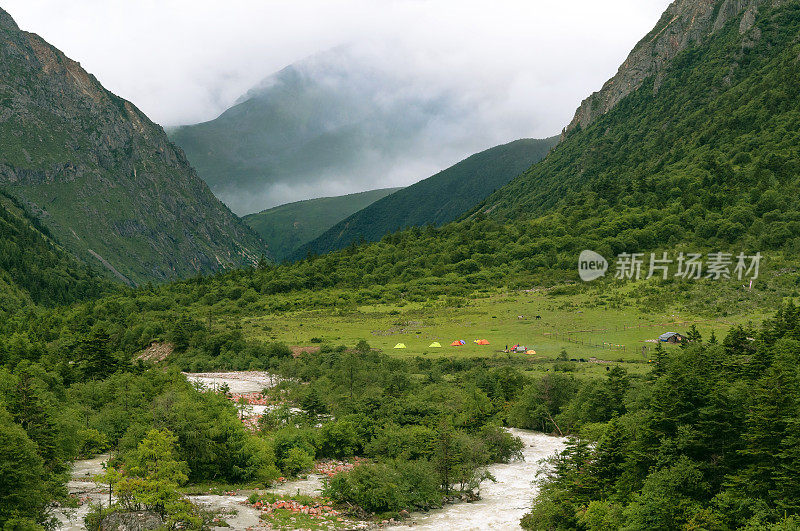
[(503, 503)]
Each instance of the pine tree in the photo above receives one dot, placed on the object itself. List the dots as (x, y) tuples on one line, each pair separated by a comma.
[(94, 354)]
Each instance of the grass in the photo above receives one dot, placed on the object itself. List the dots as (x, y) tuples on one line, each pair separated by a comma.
[(285, 519), (607, 325)]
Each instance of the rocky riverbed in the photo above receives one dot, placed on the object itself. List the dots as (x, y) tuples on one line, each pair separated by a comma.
[(502, 503), (84, 490)]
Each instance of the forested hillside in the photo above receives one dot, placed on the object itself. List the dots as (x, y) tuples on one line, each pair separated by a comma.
[(101, 176), (34, 269), (436, 200), (704, 153), (285, 228)]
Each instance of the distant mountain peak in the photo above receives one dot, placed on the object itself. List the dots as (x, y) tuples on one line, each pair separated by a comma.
[(339, 121)]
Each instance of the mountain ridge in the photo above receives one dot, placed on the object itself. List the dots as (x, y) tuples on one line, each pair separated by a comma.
[(285, 228), (101, 175), (437, 200), (684, 23)]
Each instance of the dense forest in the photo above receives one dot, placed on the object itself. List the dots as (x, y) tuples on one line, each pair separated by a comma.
[(34, 269), (708, 441)]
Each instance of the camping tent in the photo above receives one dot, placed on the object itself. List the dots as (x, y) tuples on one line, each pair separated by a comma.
[(532, 352), (400, 345), (435, 344), (482, 342), (458, 343)]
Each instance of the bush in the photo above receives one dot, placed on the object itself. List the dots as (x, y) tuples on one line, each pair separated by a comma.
[(386, 488), (338, 439), (296, 461), (501, 445), (374, 488)]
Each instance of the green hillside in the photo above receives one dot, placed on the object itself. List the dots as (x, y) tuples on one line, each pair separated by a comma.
[(34, 269), (101, 176), (436, 200), (703, 154), (287, 227)]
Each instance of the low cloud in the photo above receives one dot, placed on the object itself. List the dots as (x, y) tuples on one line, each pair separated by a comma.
[(520, 67)]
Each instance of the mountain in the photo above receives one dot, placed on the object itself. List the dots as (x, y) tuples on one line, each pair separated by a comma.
[(436, 200), (703, 153), (684, 24), (101, 176), (345, 119), (287, 227), (34, 268)]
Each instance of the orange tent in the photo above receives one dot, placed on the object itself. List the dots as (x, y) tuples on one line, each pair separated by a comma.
[(456, 343), (482, 342)]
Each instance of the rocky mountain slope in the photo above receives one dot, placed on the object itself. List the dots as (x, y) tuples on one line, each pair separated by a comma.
[(101, 176), (436, 200), (287, 227), (685, 23)]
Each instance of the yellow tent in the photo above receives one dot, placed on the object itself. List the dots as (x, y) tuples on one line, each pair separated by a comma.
[(400, 345), (435, 344)]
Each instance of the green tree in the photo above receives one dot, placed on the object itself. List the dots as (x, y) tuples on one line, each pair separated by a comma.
[(93, 353), (23, 494), (153, 474)]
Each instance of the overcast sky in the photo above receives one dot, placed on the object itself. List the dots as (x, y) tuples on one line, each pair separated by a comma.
[(185, 61)]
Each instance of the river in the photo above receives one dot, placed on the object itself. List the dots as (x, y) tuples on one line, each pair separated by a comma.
[(503, 503)]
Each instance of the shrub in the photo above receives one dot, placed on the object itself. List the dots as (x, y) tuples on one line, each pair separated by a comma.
[(338, 439), (297, 460)]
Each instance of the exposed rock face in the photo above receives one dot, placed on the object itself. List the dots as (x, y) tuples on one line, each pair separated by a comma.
[(101, 176), (132, 521), (683, 24)]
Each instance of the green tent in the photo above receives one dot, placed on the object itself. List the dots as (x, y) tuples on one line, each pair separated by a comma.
[(400, 345), (435, 344)]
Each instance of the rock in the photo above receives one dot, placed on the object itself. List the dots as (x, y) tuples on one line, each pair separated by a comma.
[(131, 521), (684, 24), (404, 514)]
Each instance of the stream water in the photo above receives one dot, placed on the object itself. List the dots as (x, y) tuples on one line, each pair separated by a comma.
[(502, 503)]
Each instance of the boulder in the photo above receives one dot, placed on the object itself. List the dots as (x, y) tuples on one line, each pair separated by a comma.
[(131, 521)]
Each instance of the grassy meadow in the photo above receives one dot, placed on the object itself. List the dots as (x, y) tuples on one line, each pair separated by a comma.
[(606, 324)]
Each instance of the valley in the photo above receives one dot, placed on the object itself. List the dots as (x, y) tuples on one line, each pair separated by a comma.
[(433, 357)]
